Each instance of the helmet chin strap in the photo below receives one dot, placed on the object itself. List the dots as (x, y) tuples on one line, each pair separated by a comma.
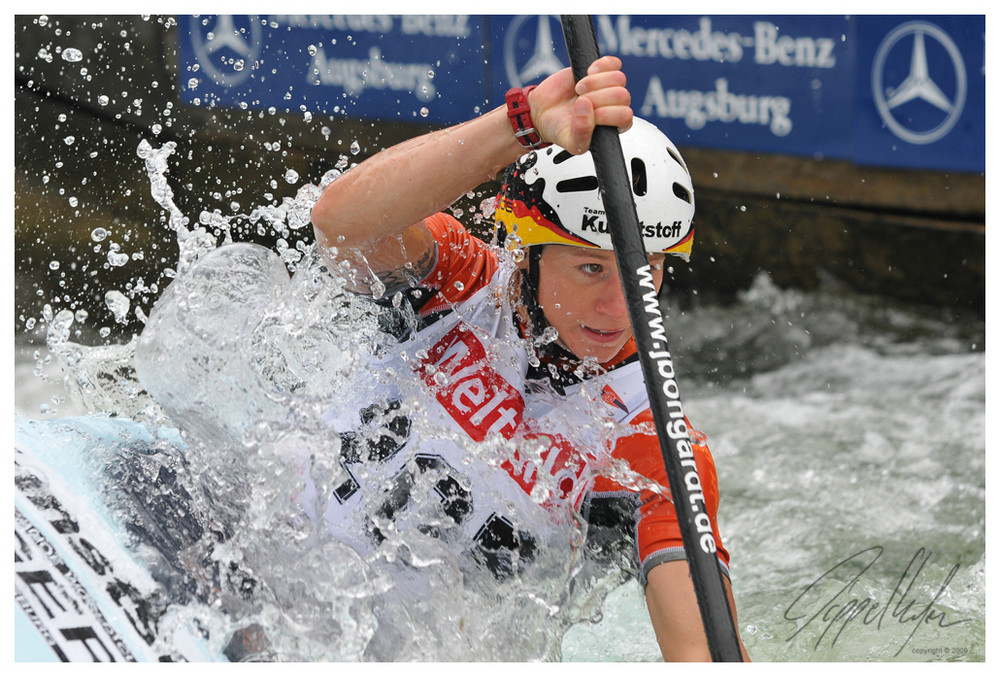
[(529, 292), (552, 353)]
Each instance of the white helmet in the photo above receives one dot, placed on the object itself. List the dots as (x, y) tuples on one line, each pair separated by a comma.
[(551, 196)]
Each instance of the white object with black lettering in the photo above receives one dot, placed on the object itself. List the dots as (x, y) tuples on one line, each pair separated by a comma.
[(78, 594)]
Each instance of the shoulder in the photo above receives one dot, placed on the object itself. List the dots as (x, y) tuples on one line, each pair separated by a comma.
[(457, 247), (464, 263), (445, 226)]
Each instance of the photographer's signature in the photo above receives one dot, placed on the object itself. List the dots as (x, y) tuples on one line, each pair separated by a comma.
[(835, 614)]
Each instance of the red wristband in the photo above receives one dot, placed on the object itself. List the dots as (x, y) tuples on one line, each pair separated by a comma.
[(519, 113)]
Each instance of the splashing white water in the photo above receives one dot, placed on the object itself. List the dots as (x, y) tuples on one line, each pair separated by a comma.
[(245, 359)]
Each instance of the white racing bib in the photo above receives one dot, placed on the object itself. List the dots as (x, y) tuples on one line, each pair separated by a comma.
[(454, 418)]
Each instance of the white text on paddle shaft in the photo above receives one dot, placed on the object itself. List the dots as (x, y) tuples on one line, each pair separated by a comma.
[(677, 428)]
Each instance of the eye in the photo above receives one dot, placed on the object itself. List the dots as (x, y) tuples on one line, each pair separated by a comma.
[(592, 268)]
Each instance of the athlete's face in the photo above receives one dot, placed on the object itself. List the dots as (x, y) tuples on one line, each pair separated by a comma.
[(581, 295)]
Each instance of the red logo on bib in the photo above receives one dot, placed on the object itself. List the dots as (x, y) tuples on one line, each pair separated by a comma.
[(482, 402)]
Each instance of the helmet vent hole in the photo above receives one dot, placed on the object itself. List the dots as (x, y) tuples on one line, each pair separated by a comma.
[(682, 192), (561, 157), (638, 176), (577, 185), (677, 159)]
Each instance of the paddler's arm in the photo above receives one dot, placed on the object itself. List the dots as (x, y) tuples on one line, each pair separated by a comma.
[(376, 210), (673, 610)]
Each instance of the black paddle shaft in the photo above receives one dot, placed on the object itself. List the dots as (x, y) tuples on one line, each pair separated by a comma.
[(657, 365)]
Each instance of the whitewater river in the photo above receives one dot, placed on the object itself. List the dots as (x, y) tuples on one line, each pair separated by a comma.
[(849, 435), (850, 439)]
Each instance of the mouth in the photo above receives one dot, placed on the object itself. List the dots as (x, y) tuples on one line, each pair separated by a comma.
[(603, 335)]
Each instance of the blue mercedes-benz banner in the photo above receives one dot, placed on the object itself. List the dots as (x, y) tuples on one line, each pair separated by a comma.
[(409, 68), (892, 91)]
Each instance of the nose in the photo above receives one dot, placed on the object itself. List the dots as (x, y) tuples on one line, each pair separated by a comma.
[(611, 302)]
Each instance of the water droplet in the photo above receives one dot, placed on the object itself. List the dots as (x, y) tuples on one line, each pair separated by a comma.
[(72, 55), (193, 83), (312, 50), (355, 148), (424, 112), (291, 176), (239, 65), (103, 99), (69, 140), (549, 335), (488, 207), (98, 234), (118, 304)]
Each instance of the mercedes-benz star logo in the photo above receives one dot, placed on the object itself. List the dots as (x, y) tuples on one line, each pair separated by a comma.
[(920, 87), (228, 47), (531, 35)]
